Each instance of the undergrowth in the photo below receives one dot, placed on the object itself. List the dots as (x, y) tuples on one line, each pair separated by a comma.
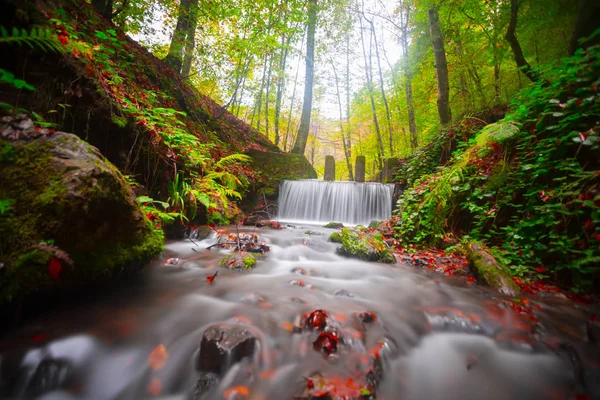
[(528, 186)]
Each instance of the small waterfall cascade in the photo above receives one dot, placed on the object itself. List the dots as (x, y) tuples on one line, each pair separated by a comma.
[(335, 201)]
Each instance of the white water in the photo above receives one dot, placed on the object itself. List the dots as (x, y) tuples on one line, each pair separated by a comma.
[(347, 202)]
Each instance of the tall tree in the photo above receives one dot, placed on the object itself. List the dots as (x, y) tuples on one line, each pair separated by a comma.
[(280, 83), (369, 79), (302, 136), (190, 40), (587, 22), (441, 67), (511, 38), (178, 43), (341, 120), (405, 10)]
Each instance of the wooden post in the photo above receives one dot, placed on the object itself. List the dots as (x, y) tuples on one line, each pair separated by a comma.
[(359, 169), (329, 174), (391, 165)]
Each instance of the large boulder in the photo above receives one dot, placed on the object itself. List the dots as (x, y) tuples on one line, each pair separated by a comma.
[(275, 167), (365, 246), (69, 216), (224, 344), (489, 269)]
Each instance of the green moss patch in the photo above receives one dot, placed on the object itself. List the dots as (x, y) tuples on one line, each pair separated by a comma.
[(365, 246)]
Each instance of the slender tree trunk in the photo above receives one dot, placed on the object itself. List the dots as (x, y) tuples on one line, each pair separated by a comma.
[(511, 38), (289, 119), (348, 133), (280, 84), (267, 96), (368, 73), (190, 40), (587, 22), (412, 124), (258, 104), (441, 67), (175, 56), (341, 121), (385, 102), (496, 81), (302, 136)]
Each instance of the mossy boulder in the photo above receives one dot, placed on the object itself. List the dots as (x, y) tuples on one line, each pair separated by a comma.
[(335, 237), (365, 246), (275, 167), (238, 261), (489, 269), (334, 225), (67, 202)]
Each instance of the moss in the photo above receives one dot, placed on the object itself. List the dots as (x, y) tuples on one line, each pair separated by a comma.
[(82, 206), (276, 167), (374, 224), (335, 237), (488, 269), (334, 225), (238, 261), (365, 246)]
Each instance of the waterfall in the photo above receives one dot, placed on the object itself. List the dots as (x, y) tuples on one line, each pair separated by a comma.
[(323, 201)]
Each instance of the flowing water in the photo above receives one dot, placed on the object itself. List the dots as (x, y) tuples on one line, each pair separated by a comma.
[(337, 201), (433, 337)]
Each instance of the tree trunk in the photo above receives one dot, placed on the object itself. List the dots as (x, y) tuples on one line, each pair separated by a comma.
[(267, 96), (280, 82), (190, 40), (587, 22), (104, 8), (412, 124), (289, 119), (302, 136), (368, 72), (339, 98), (175, 57), (511, 38), (258, 104), (348, 134), (441, 67), (385, 102)]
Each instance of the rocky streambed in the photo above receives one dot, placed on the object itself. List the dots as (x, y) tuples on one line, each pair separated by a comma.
[(301, 321)]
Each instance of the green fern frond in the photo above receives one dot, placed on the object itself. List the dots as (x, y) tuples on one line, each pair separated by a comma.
[(40, 38), (232, 159)]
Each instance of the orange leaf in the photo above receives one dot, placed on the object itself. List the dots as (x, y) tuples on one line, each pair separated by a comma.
[(54, 268), (241, 390), (158, 358), (155, 386)]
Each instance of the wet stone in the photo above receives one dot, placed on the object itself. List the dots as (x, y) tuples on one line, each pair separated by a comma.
[(593, 331), (224, 344), (299, 271), (453, 323), (343, 293), (366, 317), (205, 382), (51, 374)]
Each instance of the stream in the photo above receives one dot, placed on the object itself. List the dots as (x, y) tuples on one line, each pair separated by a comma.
[(303, 319)]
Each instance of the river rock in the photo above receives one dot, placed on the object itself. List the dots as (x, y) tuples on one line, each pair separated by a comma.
[(334, 225), (50, 374), (335, 237), (238, 261), (488, 269), (224, 344), (365, 246), (73, 217)]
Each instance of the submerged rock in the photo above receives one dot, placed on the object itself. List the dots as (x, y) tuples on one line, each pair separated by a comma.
[(335, 237), (74, 217), (51, 374), (365, 246), (224, 344), (238, 261), (488, 269)]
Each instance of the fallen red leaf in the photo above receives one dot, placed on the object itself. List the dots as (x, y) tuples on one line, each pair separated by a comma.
[(210, 279), (241, 390), (155, 386), (38, 338), (158, 358), (54, 268)]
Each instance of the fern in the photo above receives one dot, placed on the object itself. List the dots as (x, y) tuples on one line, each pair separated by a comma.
[(41, 38), (232, 159)]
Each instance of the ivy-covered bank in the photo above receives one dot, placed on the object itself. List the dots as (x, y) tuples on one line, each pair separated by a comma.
[(527, 186)]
